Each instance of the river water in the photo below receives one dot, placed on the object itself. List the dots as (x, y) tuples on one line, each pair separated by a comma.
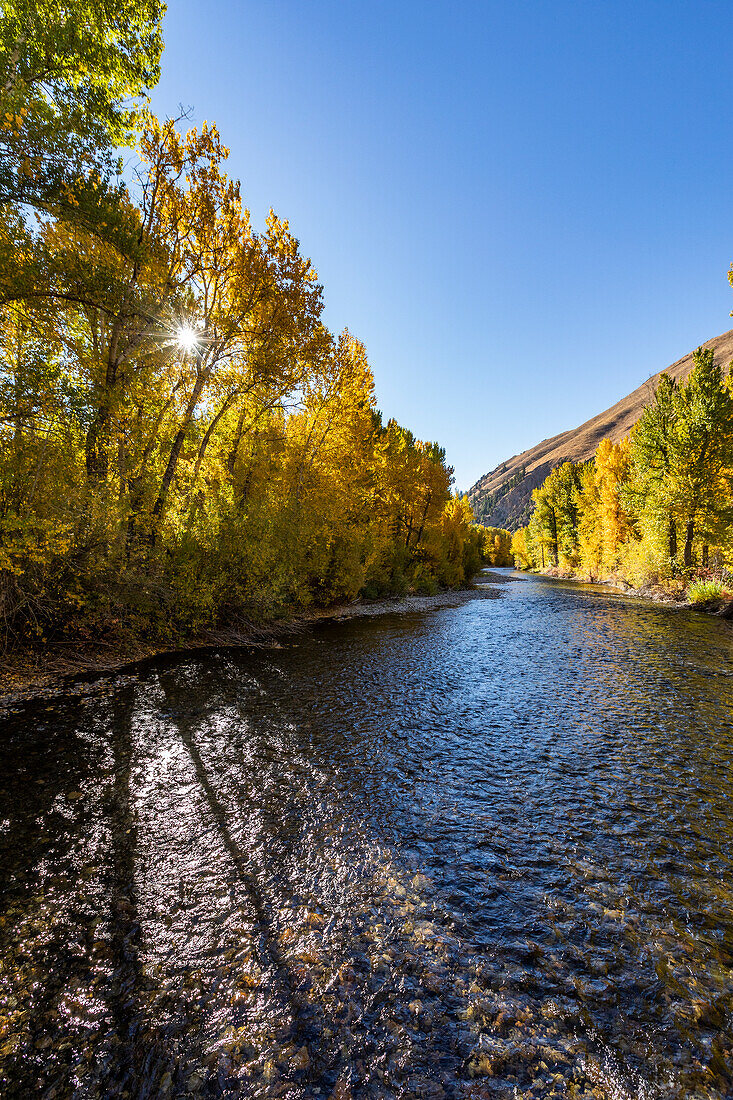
[(479, 851)]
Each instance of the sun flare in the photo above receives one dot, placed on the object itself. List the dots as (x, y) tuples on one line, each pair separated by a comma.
[(187, 338)]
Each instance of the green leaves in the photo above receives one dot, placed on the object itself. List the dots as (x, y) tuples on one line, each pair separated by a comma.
[(629, 509), (72, 77), (682, 447)]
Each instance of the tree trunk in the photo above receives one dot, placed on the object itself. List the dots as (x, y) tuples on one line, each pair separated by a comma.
[(136, 483), (174, 456), (95, 446), (424, 518), (168, 477), (672, 534), (232, 456), (553, 527), (198, 497), (705, 555), (208, 434), (689, 536), (134, 507), (241, 498)]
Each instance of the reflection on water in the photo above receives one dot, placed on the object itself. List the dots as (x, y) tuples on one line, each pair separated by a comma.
[(478, 852)]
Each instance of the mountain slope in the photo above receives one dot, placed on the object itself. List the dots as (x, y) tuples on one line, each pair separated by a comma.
[(502, 498)]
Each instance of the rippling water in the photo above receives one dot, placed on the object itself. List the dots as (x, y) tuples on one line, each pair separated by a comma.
[(483, 851)]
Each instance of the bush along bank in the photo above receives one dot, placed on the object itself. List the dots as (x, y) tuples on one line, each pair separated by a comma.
[(654, 512)]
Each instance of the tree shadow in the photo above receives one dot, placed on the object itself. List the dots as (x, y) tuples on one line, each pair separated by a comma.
[(141, 1052), (70, 935), (304, 1026)]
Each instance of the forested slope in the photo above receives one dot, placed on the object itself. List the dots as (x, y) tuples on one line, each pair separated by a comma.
[(503, 497)]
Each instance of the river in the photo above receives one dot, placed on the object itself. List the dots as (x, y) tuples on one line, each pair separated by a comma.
[(478, 851)]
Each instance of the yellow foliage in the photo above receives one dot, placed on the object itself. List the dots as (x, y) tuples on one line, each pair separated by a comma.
[(242, 473), (603, 525)]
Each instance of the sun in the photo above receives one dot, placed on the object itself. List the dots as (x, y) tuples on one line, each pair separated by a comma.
[(187, 337)]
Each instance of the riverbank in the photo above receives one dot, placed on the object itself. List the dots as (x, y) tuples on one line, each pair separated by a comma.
[(720, 607), (55, 670)]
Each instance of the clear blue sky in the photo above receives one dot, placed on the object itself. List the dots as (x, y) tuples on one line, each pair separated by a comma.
[(522, 208)]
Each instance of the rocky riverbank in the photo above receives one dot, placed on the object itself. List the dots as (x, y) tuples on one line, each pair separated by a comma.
[(62, 669), (674, 598)]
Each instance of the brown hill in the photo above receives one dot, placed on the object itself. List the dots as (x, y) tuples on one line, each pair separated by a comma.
[(502, 498)]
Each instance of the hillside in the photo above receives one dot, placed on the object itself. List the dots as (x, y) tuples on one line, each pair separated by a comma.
[(502, 498)]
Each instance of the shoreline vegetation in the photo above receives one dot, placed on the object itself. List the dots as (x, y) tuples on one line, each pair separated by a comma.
[(186, 450), (33, 674), (674, 598), (652, 514)]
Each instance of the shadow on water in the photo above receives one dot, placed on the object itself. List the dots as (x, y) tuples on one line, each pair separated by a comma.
[(72, 981), (39, 960), (298, 1019), (480, 852), (140, 1054)]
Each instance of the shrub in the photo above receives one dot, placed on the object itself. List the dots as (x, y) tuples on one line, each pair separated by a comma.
[(702, 590)]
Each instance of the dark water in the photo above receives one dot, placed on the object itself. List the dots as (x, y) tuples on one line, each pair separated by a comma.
[(483, 851)]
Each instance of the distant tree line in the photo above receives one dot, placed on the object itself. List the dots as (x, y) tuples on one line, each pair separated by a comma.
[(654, 507), (496, 546)]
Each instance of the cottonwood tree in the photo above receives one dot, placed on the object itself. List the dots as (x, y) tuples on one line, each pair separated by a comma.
[(71, 77), (703, 449), (652, 461), (603, 523), (554, 523)]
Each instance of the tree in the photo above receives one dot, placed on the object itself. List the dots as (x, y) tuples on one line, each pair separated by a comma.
[(71, 76), (603, 524), (554, 523), (182, 441), (460, 542), (703, 448), (496, 546), (523, 556), (681, 450), (652, 460)]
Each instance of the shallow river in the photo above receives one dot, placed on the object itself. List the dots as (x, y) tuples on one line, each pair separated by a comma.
[(480, 851)]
